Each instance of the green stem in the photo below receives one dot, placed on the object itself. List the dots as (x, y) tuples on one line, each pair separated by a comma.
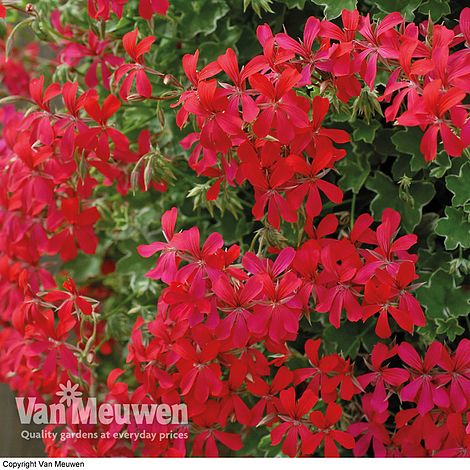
[(353, 209), (103, 29)]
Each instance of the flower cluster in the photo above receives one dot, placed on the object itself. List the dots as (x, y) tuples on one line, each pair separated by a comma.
[(203, 345), (55, 332), (258, 129), (227, 337), (53, 157), (47, 186), (436, 384), (366, 274)]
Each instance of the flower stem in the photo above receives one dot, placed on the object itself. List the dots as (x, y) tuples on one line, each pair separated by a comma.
[(353, 209)]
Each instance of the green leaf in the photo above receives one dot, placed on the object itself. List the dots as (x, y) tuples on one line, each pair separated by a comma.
[(383, 144), (264, 444), (459, 185), (233, 229), (440, 165), (436, 8), (405, 7), (409, 205), (433, 259), (256, 438), (426, 230), (365, 131), (349, 337), (442, 299), (333, 8), (455, 227), (355, 168), (449, 327), (408, 141), (133, 267), (401, 167), (199, 17), (84, 267), (225, 36), (119, 324), (300, 4)]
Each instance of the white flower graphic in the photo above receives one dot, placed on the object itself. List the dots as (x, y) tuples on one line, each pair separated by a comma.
[(69, 393)]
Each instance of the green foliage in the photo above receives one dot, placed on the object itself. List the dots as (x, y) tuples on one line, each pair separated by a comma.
[(444, 302), (294, 3), (199, 17), (441, 297), (435, 8), (332, 8), (455, 227), (407, 197), (349, 338), (459, 185), (365, 131), (406, 7), (407, 141), (355, 168)]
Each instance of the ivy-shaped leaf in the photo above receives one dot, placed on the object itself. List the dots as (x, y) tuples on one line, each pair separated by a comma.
[(440, 165), (333, 8), (365, 131), (408, 203), (199, 17), (408, 141), (405, 7), (432, 259), (233, 229), (300, 4), (383, 144), (442, 298), (401, 167), (225, 36), (459, 185), (349, 338), (455, 227), (436, 8), (355, 168), (449, 327)]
